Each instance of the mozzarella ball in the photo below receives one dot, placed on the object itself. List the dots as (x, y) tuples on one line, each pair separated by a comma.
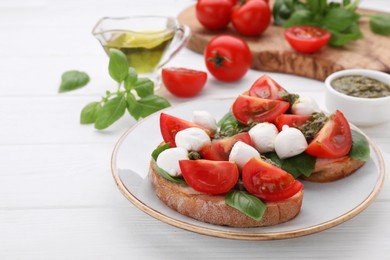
[(168, 160), (263, 136), (305, 106), (205, 119), (290, 142), (192, 139), (241, 153)]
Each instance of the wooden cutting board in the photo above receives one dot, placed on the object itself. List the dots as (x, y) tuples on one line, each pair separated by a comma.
[(271, 52)]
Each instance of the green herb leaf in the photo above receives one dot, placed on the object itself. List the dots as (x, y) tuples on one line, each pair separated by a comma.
[(167, 176), (90, 113), (301, 164), (360, 149), (73, 79), (342, 38), (132, 106), (150, 104), (229, 126), (159, 150), (144, 87), (130, 79), (339, 19), (112, 110), (247, 204), (118, 66), (380, 24), (300, 17)]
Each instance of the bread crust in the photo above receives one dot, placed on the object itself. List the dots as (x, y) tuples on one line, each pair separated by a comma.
[(212, 208), (327, 170)]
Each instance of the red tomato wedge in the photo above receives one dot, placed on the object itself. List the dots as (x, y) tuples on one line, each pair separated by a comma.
[(170, 125), (306, 39), (290, 120), (211, 177), (334, 140), (266, 87), (219, 150), (269, 182), (247, 109)]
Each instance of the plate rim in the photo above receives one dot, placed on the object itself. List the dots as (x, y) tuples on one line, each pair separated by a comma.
[(243, 235)]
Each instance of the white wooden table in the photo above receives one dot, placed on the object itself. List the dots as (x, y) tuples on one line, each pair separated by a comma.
[(57, 197)]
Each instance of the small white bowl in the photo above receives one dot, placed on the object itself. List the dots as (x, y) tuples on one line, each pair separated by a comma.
[(359, 111)]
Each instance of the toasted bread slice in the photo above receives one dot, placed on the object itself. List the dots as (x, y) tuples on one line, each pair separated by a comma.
[(212, 208), (327, 170)]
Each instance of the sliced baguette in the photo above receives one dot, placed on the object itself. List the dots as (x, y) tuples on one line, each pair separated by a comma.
[(327, 170), (212, 208)]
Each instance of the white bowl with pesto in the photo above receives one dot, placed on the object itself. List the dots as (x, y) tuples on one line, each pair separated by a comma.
[(360, 111)]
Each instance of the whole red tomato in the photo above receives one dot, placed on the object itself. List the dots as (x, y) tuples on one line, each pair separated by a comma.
[(252, 17), (227, 58), (214, 14), (183, 82)]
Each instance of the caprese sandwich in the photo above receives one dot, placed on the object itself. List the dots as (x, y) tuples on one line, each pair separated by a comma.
[(244, 171)]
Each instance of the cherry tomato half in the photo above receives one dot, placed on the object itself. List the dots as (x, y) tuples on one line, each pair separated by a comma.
[(306, 39), (170, 125), (290, 120), (266, 87), (251, 18), (227, 58), (247, 109), (211, 177), (183, 82), (269, 182), (219, 150), (214, 14), (334, 140)]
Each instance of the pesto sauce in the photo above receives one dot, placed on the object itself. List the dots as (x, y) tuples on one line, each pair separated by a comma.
[(361, 86)]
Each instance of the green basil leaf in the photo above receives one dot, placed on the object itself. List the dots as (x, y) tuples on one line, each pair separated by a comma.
[(159, 150), (132, 106), (300, 17), (130, 79), (343, 38), (380, 24), (150, 104), (73, 79), (301, 164), (247, 204), (340, 20), (360, 149), (90, 112), (229, 126), (118, 66), (144, 87), (167, 176), (112, 110)]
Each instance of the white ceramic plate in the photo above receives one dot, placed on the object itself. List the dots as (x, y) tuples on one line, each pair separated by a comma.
[(324, 205)]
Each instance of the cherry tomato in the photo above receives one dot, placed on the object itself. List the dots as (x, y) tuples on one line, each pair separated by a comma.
[(247, 109), (269, 182), (211, 177), (290, 120), (306, 39), (219, 150), (334, 140), (227, 58), (214, 14), (266, 87), (170, 125), (252, 17), (183, 82)]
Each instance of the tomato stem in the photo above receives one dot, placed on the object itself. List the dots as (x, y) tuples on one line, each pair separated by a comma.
[(218, 59)]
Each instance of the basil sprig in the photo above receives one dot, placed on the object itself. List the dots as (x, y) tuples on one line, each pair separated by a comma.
[(340, 19), (136, 95)]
